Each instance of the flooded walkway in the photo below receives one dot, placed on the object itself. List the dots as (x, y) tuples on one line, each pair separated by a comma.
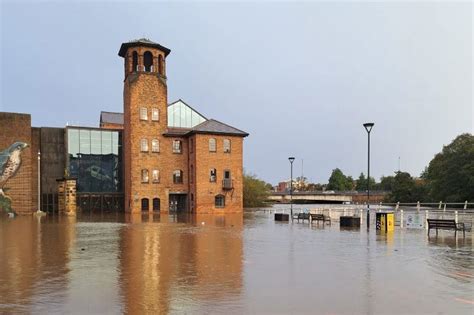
[(228, 264)]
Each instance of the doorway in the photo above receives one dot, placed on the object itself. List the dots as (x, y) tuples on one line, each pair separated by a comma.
[(177, 203)]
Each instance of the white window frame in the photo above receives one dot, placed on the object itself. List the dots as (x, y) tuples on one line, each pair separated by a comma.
[(213, 178), (227, 146), (155, 176), (155, 114), (143, 145), (212, 145), (145, 176), (143, 113), (177, 148), (155, 146)]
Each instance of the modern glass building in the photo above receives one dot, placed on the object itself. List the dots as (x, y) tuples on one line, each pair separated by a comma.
[(94, 157)]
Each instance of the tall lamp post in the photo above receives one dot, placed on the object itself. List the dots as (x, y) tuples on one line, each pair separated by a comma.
[(368, 127), (291, 159), (39, 182)]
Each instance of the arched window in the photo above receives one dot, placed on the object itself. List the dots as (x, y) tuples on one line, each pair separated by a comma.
[(226, 145), (155, 176), (144, 176), (219, 201), (160, 64), (155, 145), (212, 145), (156, 204), (148, 61), (178, 177), (145, 204), (135, 61), (144, 145)]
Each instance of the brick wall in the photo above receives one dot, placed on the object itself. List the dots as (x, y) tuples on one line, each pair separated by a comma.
[(17, 127), (111, 126), (205, 191)]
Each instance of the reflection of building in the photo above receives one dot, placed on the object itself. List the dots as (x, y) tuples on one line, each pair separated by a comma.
[(153, 157), (159, 266)]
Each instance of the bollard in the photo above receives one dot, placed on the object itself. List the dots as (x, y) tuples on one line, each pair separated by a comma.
[(401, 219), (360, 214), (465, 205), (444, 209), (456, 216), (417, 206), (440, 203), (426, 219), (397, 206)]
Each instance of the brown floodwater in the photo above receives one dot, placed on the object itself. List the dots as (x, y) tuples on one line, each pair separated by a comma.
[(227, 264)]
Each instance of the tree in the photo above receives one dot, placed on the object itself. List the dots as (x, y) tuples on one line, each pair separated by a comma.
[(406, 189), (338, 181), (361, 183), (386, 183), (256, 191), (450, 174)]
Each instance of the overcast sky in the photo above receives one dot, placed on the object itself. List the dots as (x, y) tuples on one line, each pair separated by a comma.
[(301, 78)]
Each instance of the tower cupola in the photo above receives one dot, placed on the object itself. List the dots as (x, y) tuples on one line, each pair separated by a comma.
[(143, 55)]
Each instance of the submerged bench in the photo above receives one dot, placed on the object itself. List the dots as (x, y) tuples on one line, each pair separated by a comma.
[(301, 216), (439, 224), (320, 217)]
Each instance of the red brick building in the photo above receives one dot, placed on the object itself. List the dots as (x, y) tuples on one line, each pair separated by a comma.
[(154, 157)]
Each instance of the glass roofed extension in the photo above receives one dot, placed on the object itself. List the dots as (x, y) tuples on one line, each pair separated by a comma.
[(181, 115)]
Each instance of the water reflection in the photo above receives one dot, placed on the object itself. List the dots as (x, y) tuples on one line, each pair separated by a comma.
[(34, 261), (179, 266), (227, 264)]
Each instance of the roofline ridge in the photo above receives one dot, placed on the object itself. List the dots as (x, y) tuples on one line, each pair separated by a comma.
[(228, 125)]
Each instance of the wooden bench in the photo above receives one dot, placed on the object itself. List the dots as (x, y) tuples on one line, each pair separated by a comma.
[(320, 217), (301, 216), (439, 224)]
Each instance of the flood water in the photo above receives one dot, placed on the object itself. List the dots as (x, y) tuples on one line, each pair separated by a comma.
[(228, 264)]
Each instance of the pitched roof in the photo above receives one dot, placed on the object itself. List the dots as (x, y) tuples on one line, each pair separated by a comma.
[(142, 42), (111, 118), (213, 126)]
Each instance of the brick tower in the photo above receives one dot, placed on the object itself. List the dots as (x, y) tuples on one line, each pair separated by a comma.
[(145, 122)]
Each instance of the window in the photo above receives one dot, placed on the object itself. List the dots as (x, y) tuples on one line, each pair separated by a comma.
[(176, 146), (178, 177), (226, 146), (148, 61), (219, 201), (156, 204), (145, 176), (155, 145), (143, 113), (213, 175), (145, 204), (144, 145), (212, 145), (155, 176), (155, 114)]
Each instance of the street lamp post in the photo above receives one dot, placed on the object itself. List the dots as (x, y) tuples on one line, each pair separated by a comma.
[(39, 182), (291, 159), (368, 127)]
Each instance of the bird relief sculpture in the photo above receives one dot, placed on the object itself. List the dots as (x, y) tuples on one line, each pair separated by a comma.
[(10, 163)]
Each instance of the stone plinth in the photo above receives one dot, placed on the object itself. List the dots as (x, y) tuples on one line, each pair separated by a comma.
[(67, 196)]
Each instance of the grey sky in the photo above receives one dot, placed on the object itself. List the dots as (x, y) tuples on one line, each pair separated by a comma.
[(301, 78)]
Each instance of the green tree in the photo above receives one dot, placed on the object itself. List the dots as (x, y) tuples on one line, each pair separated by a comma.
[(256, 191), (361, 183), (406, 189), (386, 183), (450, 174), (338, 181)]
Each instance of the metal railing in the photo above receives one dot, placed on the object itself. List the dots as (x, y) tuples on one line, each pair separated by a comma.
[(227, 184)]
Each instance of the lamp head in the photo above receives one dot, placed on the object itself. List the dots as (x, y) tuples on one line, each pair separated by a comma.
[(368, 126), (291, 159)]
